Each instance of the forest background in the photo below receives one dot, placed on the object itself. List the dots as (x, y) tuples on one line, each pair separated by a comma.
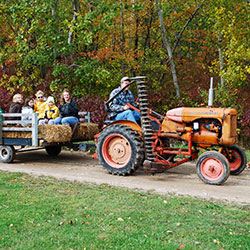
[(87, 46)]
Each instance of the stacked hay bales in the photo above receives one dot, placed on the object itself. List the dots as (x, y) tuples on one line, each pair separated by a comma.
[(85, 131), (54, 133), (16, 134), (58, 133)]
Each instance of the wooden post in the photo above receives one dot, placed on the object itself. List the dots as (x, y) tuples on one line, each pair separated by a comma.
[(88, 117), (34, 130)]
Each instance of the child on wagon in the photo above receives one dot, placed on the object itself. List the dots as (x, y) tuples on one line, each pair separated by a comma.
[(50, 113), (40, 104), (28, 109)]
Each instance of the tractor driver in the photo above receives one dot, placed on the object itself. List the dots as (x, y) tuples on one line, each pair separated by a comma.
[(119, 110)]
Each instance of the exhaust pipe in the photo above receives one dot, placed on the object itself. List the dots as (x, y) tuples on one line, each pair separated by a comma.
[(211, 93)]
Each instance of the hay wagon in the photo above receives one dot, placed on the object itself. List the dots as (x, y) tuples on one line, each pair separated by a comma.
[(20, 135)]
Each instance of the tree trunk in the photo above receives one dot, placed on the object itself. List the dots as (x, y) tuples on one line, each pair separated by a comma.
[(185, 26), (76, 9), (54, 14), (170, 55), (222, 81), (136, 40), (122, 36)]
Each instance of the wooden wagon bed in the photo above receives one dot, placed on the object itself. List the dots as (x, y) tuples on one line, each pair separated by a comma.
[(22, 133)]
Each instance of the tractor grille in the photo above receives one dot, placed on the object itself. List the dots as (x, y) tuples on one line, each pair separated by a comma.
[(233, 132)]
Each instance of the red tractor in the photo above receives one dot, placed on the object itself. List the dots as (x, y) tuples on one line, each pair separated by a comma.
[(209, 133)]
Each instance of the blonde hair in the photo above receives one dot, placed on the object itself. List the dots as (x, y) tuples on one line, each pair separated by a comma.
[(62, 101), (39, 92), (15, 97)]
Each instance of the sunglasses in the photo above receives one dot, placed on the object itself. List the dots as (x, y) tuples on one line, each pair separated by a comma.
[(39, 97)]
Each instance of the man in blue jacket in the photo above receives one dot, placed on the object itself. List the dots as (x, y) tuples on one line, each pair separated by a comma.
[(119, 109)]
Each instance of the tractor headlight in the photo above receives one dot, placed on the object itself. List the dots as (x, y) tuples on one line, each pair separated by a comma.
[(196, 126)]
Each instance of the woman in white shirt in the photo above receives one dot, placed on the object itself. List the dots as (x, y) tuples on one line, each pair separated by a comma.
[(28, 109)]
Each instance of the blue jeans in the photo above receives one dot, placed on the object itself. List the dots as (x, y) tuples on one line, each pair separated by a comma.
[(69, 120), (130, 115)]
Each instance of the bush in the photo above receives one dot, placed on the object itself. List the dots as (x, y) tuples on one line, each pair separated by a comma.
[(5, 99), (95, 105)]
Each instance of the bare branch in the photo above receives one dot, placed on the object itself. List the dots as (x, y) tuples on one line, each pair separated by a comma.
[(185, 26)]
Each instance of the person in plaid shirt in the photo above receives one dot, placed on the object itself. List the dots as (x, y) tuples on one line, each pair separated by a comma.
[(119, 110)]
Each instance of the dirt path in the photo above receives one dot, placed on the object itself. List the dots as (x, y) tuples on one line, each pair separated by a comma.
[(182, 180)]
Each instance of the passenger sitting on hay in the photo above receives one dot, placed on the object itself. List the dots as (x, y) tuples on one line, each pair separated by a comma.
[(28, 109), (68, 110), (50, 113), (15, 106), (40, 104)]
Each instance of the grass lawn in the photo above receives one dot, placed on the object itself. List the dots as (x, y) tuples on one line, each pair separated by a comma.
[(44, 213), (247, 151)]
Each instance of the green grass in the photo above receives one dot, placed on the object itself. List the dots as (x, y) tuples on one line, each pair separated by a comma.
[(44, 213), (247, 151)]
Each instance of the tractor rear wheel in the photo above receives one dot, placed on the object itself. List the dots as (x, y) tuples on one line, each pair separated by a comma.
[(120, 149), (213, 168), (236, 157)]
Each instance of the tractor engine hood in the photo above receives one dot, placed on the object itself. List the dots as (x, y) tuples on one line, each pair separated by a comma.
[(187, 115)]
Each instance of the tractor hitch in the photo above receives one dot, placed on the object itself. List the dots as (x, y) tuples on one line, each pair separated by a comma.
[(154, 167)]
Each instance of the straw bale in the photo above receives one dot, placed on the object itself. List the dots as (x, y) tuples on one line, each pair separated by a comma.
[(58, 133), (49, 133), (17, 134), (55, 133), (86, 131)]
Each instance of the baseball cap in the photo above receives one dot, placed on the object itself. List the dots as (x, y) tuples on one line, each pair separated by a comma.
[(125, 78), (51, 99)]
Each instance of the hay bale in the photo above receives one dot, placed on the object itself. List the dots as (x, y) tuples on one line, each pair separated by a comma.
[(49, 133), (86, 131), (17, 134), (54, 133), (58, 133)]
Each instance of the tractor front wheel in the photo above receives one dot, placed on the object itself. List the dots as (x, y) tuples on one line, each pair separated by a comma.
[(120, 149), (213, 168), (236, 157)]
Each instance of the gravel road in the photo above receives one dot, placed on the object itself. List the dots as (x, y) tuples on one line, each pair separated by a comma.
[(182, 180)]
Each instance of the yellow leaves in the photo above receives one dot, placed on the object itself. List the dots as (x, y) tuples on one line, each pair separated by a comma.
[(19, 73), (247, 69), (13, 79), (4, 76)]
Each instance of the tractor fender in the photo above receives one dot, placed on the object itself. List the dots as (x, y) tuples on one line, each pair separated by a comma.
[(128, 123)]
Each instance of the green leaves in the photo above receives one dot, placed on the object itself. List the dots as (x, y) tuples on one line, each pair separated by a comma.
[(113, 38)]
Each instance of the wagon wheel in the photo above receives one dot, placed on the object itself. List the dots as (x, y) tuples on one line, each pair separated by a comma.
[(213, 168), (7, 154), (53, 150), (120, 149), (236, 157)]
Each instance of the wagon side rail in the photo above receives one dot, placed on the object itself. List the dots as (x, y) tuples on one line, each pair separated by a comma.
[(21, 125), (84, 116)]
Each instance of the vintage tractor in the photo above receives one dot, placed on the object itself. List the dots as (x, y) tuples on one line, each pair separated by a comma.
[(209, 133)]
